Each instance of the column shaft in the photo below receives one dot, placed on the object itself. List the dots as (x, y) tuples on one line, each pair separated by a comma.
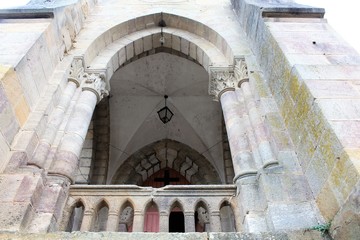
[(215, 222), (66, 158), (239, 145), (258, 127), (249, 130), (55, 119), (164, 222), (189, 222), (138, 223), (112, 222), (87, 221)]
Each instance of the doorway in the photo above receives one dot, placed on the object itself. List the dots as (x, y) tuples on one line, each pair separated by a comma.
[(176, 220)]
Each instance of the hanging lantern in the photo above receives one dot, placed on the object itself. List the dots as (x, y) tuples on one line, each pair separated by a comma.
[(165, 114)]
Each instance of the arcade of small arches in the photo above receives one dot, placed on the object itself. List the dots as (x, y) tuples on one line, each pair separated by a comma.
[(152, 216)]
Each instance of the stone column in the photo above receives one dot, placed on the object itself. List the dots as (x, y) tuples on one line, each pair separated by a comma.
[(240, 135), (164, 222), (56, 117), (138, 223), (222, 86), (67, 155), (113, 221), (215, 222), (257, 125), (249, 131), (189, 221), (86, 223)]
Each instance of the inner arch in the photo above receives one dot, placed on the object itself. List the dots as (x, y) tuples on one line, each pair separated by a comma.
[(128, 32), (166, 154)]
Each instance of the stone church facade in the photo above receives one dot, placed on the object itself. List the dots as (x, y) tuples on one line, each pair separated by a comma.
[(264, 138)]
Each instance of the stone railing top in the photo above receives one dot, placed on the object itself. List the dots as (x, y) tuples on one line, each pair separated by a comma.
[(119, 190)]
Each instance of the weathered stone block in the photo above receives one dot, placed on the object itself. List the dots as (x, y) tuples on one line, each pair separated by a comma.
[(343, 177), (9, 184), (327, 202), (317, 173), (290, 162), (332, 89), (256, 223), (4, 152), (14, 216), (292, 215), (347, 132), (42, 222), (297, 188), (328, 72), (29, 189), (8, 124), (346, 223), (26, 141), (273, 187)]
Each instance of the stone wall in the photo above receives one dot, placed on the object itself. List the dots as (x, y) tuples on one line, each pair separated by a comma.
[(101, 143), (32, 50), (33, 75), (313, 75), (228, 165)]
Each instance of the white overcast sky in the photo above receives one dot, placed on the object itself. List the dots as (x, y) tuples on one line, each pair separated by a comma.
[(342, 16)]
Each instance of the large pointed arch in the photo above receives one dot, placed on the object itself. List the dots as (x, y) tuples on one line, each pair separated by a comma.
[(128, 41)]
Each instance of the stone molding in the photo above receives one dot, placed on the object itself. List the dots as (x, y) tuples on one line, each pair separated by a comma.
[(95, 82), (76, 71)]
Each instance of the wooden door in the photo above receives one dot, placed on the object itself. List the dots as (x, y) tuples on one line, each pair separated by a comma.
[(151, 223)]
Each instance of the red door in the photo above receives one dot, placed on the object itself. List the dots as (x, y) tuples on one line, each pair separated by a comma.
[(151, 220)]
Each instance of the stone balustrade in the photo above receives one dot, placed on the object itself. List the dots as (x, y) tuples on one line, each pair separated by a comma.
[(185, 198)]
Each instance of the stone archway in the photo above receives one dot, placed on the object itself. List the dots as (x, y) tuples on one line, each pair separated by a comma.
[(92, 74), (122, 48), (206, 49), (166, 154)]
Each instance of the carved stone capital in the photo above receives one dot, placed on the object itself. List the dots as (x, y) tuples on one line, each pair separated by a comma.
[(221, 80), (241, 71), (76, 71), (95, 82)]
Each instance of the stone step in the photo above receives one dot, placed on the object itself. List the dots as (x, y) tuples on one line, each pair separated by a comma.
[(293, 235)]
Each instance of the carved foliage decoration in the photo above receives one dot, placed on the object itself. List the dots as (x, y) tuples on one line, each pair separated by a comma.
[(95, 82), (76, 71), (240, 70), (221, 79)]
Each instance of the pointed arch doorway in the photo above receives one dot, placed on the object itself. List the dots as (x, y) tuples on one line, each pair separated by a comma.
[(152, 217), (176, 221)]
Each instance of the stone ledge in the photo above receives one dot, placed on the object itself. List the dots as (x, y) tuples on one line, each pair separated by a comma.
[(294, 235)]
